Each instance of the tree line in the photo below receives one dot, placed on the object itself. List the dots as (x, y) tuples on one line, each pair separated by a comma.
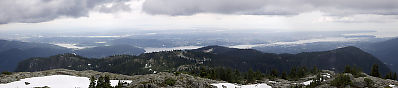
[(104, 82)]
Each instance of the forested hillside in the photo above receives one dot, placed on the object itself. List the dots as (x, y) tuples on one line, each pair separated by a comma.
[(211, 56)]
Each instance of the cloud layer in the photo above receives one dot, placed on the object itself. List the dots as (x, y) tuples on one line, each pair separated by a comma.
[(32, 11), (271, 7)]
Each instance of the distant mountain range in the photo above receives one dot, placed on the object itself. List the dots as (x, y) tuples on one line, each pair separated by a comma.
[(386, 51), (210, 56), (12, 52), (104, 51)]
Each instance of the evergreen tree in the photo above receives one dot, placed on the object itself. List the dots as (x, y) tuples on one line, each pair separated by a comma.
[(375, 71), (284, 76), (354, 71), (250, 76), (258, 75), (100, 82), (347, 69), (274, 73), (293, 73), (314, 70), (301, 72), (394, 76), (237, 76), (387, 76), (203, 72), (92, 82), (107, 82)]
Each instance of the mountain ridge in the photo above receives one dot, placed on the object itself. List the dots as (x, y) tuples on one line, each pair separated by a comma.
[(240, 59)]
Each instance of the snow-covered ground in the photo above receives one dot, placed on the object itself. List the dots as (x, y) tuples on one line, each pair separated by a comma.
[(393, 86), (307, 82), (230, 85), (55, 81)]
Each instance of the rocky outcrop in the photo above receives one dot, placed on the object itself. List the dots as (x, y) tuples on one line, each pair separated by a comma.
[(174, 80), (356, 82), (181, 81), (138, 81)]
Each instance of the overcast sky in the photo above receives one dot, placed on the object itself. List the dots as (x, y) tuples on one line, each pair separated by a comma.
[(273, 15)]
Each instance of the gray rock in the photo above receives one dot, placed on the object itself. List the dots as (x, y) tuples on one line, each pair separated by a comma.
[(188, 81)]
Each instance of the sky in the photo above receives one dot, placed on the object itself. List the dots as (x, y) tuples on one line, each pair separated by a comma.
[(273, 15)]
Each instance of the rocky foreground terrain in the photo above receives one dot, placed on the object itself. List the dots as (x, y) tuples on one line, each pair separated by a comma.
[(138, 81), (356, 82), (188, 81)]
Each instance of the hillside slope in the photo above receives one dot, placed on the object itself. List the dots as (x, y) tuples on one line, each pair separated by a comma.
[(211, 56), (386, 51), (12, 52)]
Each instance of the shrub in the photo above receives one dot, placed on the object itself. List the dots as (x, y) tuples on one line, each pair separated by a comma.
[(170, 82), (368, 82), (297, 86), (354, 71), (6, 73), (341, 80)]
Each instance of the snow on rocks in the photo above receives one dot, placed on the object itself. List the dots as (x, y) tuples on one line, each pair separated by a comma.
[(391, 85), (327, 75), (230, 85), (307, 82), (55, 81)]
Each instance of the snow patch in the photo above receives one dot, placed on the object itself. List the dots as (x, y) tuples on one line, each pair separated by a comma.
[(230, 85), (322, 74), (307, 82), (208, 51), (55, 81), (393, 86)]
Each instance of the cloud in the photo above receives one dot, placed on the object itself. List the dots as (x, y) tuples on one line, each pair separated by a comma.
[(32, 11), (271, 7)]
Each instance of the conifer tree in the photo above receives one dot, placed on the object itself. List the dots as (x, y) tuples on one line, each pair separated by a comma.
[(237, 75), (107, 82), (347, 69), (375, 71), (394, 76), (284, 76), (100, 82), (250, 76), (258, 75), (293, 73), (92, 82), (301, 72), (274, 73), (388, 76), (119, 84), (314, 70)]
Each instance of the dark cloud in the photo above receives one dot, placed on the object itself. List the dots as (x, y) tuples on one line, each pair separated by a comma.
[(271, 7), (32, 11)]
